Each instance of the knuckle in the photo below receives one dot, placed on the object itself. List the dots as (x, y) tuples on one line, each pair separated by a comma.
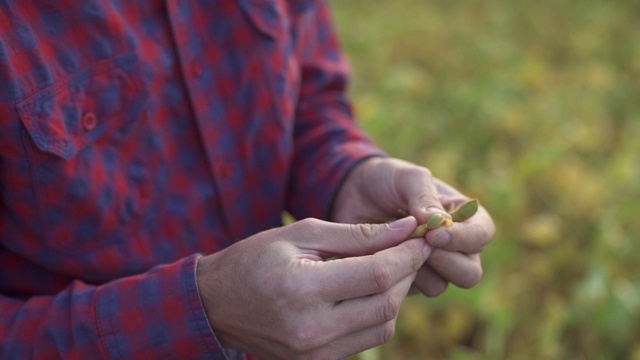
[(307, 223), (388, 331), (487, 235), (291, 289), (475, 239), (391, 308), (425, 173), (424, 198), (436, 289), (490, 230), (416, 260), (301, 339), (484, 235), (473, 278), (477, 247), (304, 290), (366, 231), (312, 221), (382, 276)]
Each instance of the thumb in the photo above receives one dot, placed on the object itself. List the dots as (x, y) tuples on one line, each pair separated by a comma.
[(422, 197), (334, 239)]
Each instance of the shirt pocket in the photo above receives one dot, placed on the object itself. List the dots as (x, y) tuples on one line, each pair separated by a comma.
[(88, 160), (268, 17)]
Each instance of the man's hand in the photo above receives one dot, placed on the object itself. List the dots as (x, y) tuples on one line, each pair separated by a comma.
[(273, 294), (382, 188)]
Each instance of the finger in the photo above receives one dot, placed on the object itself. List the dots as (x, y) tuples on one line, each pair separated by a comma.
[(413, 290), (372, 310), (419, 192), (333, 239), (460, 269), (355, 343), (429, 282), (469, 237), (354, 277), (365, 322)]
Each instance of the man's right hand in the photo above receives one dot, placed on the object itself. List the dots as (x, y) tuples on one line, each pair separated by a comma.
[(273, 295)]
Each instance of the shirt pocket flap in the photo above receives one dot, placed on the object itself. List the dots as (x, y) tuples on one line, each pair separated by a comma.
[(66, 116), (269, 17)]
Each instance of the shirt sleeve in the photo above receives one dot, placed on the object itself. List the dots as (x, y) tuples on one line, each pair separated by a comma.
[(154, 315), (327, 141)]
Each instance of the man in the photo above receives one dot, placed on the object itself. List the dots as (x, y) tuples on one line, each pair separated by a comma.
[(140, 141)]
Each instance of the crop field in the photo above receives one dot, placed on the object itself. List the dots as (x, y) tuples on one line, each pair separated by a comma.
[(534, 108)]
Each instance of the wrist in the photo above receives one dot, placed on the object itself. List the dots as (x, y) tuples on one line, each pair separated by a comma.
[(351, 189), (204, 271)]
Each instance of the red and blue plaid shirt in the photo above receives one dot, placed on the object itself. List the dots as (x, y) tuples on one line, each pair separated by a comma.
[(137, 134)]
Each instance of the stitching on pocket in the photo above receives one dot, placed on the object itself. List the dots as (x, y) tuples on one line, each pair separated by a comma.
[(269, 17), (68, 144)]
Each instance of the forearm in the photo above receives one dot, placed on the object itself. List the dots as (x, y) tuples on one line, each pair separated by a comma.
[(156, 314), (328, 143)]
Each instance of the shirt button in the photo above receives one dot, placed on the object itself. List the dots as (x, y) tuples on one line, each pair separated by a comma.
[(196, 68), (89, 121)]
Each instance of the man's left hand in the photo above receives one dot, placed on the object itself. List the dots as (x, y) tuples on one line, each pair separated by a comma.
[(382, 189)]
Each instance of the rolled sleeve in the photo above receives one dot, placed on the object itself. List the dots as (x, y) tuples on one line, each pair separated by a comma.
[(328, 142)]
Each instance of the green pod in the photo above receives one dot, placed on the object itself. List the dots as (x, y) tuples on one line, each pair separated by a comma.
[(419, 232), (465, 211), (435, 221)]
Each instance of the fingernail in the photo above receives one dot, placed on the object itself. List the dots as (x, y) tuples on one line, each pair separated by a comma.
[(402, 223), (442, 238), (434, 209), (426, 250)]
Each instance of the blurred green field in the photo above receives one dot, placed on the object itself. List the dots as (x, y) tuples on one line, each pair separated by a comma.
[(534, 107)]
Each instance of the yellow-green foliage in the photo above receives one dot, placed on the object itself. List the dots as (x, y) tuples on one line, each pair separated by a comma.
[(534, 108)]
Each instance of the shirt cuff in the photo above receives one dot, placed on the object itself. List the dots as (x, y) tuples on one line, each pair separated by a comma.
[(315, 187), (158, 314)]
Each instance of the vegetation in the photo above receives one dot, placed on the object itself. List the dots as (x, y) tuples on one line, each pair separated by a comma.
[(534, 108)]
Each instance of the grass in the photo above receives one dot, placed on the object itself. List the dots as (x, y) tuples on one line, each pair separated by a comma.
[(533, 108)]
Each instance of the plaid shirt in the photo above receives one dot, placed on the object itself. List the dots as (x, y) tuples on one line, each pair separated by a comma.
[(137, 134)]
